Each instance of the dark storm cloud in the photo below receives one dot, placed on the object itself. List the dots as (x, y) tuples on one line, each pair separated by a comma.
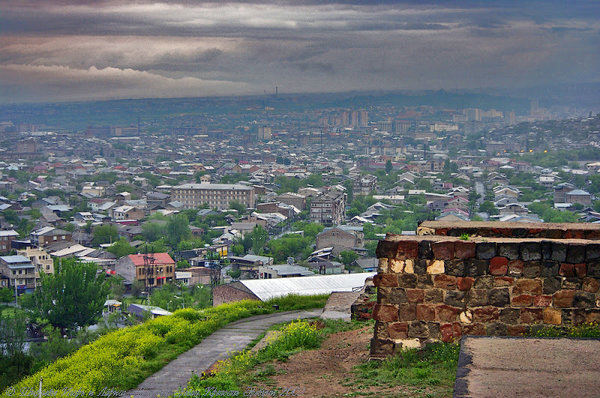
[(119, 48)]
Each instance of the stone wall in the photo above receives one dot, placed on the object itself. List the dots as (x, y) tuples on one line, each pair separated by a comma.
[(441, 287)]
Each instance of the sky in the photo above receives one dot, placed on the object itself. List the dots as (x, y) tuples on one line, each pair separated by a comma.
[(71, 50)]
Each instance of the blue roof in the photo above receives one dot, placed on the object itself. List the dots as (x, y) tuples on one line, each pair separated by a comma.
[(14, 259)]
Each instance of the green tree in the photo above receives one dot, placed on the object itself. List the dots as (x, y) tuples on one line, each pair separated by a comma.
[(239, 206), (258, 238), (105, 233), (388, 167), (152, 231), (6, 295), (238, 249), (488, 207), (348, 257), (121, 248), (178, 229), (72, 297)]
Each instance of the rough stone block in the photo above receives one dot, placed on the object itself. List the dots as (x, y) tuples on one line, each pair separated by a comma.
[(580, 270), (527, 286), (443, 250), (407, 280), (563, 298), (571, 283), (418, 329), (444, 281), (551, 285), (532, 270), (496, 329), (566, 270), (424, 281), (455, 298), (385, 280), (510, 316), (475, 329), (546, 248), (530, 251), (499, 297), (386, 249), (578, 316), (450, 331), (407, 249), (523, 300), (382, 347), (434, 330), (584, 300), (567, 316), (383, 266), (398, 330), (592, 316), (593, 269), (397, 266), (466, 317), (503, 281), (475, 267), (575, 253), (517, 330), (532, 315), (559, 251), (447, 313), (407, 312), (415, 295), (436, 267), (515, 268), (590, 285), (420, 266), (476, 298), (549, 268), (542, 301), (552, 316), (464, 250), (425, 251), (485, 314), (485, 250), (592, 252), (498, 266), (465, 283), (385, 313), (426, 312), (484, 282), (434, 296), (509, 250), (455, 267), (392, 295)]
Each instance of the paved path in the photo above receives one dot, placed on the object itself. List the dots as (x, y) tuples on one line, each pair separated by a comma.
[(528, 367), (233, 337)]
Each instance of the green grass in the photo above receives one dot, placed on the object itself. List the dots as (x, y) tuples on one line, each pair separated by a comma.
[(585, 330), (433, 366), (124, 358)]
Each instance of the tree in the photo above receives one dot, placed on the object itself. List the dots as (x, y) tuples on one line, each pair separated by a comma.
[(105, 234), (6, 295), (239, 206), (388, 167), (258, 237), (178, 229), (348, 257), (72, 297), (488, 207), (153, 231), (121, 248)]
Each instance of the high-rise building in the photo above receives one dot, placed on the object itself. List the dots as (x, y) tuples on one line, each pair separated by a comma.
[(264, 133)]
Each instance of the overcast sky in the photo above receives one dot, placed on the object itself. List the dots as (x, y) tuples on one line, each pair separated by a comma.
[(84, 50)]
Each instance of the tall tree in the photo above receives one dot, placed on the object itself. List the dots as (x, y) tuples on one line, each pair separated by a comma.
[(259, 237), (178, 229), (105, 234), (71, 297)]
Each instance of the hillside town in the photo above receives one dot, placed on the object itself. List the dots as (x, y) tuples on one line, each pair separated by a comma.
[(285, 194)]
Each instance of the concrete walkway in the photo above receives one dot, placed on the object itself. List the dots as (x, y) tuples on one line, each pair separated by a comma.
[(233, 337), (528, 367)]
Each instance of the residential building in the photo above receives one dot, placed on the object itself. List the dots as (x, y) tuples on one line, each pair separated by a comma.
[(283, 271), (293, 199), (48, 235), (6, 237), (18, 271), (152, 269), (122, 213), (341, 238), (579, 196), (214, 195), (40, 258), (364, 185), (329, 208)]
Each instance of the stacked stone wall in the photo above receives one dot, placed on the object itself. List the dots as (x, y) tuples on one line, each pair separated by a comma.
[(441, 287)]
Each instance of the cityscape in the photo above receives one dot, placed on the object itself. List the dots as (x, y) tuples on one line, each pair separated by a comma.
[(149, 199)]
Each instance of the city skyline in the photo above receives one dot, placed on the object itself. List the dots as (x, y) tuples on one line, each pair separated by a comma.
[(74, 50)]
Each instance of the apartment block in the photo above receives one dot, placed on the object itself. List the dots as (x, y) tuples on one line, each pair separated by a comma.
[(214, 195)]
